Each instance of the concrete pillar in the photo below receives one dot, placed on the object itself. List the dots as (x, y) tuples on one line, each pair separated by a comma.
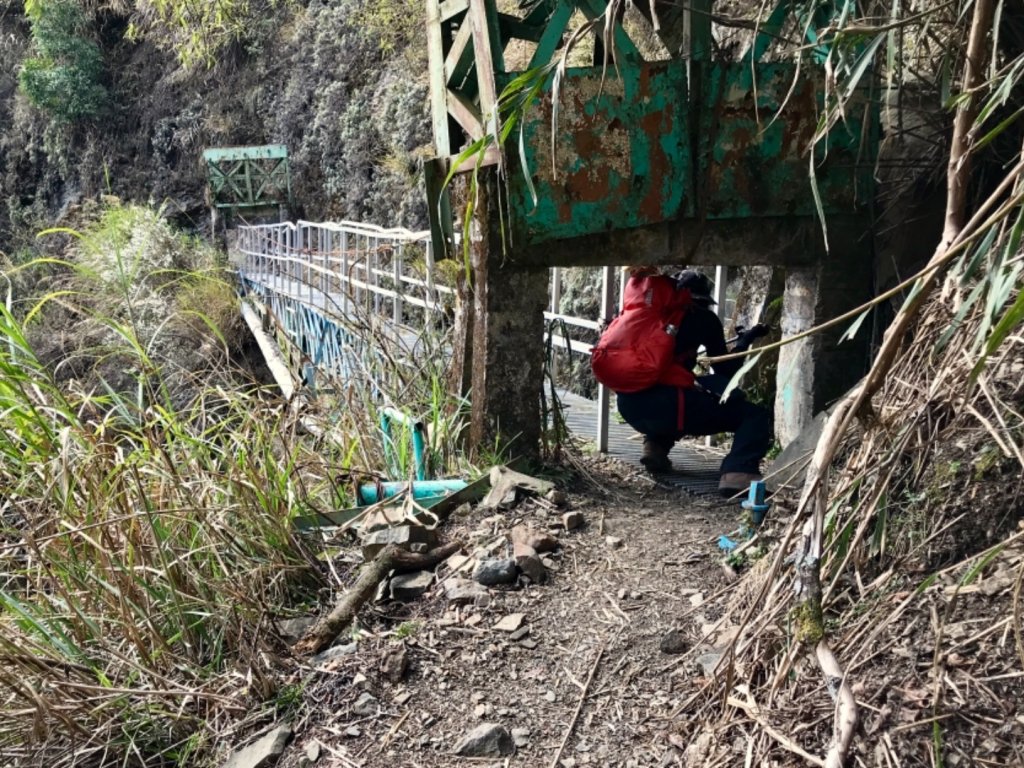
[(814, 372), (794, 383), (508, 331)]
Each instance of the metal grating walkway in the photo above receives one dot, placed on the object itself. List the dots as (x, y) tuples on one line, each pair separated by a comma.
[(695, 465)]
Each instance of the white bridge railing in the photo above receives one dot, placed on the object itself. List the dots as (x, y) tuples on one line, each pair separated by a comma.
[(388, 271)]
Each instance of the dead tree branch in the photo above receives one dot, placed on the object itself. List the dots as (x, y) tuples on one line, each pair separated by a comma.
[(391, 558)]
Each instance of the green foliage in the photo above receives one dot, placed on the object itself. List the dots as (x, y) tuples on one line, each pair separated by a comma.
[(146, 537), (65, 78), (197, 32), (393, 23), (406, 629)]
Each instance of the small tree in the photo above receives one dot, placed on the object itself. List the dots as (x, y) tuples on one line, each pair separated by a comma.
[(64, 79)]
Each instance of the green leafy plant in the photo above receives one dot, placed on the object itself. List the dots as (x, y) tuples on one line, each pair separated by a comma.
[(197, 32), (65, 79)]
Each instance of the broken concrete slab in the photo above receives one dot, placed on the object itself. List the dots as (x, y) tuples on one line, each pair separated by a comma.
[(409, 586), (402, 536), (506, 485), (265, 751), (486, 740)]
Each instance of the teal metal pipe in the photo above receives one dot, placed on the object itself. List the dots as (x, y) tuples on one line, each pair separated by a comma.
[(419, 448), (426, 492)]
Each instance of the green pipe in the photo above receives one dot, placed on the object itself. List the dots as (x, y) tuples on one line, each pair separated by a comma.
[(428, 491), (419, 449)]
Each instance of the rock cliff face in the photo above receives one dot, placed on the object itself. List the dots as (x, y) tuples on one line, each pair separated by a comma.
[(342, 84)]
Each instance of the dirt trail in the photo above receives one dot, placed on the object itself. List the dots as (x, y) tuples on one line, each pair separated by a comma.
[(640, 567)]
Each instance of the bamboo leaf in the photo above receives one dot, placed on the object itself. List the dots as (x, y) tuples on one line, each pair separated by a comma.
[(817, 200), (999, 129), (737, 378), (850, 332)]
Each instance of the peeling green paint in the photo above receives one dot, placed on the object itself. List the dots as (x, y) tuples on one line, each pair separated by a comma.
[(623, 150), (755, 132), (620, 155)]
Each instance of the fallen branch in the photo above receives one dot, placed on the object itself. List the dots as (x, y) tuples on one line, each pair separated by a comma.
[(754, 713), (391, 558), (844, 722), (579, 708)]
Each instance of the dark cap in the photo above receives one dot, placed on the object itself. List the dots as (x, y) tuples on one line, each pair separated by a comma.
[(699, 284)]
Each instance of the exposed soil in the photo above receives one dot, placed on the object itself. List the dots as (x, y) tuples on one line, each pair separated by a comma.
[(642, 565)]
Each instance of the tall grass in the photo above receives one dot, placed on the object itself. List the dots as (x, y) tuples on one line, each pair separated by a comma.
[(145, 533)]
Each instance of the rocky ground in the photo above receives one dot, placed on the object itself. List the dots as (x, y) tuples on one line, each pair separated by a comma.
[(586, 668)]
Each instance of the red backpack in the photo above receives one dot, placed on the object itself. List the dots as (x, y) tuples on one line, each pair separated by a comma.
[(637, 350)]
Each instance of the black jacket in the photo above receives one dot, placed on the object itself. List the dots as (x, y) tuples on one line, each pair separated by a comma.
[(700, 327)]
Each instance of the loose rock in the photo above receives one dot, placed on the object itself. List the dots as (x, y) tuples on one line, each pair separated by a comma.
[(708, 662), (493, 572), (394, 664), (409, 586), (529, 564), (464, 591), (521, 736), (334, 653), (538, 541), (558, 498), (365, 705), (264, 751), (673, 642), (313, 751), (510, 623), (572, 520), (292, 629), (613, 541), (486, 740), (403, 536)]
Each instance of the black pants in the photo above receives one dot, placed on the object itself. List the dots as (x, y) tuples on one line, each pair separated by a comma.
[(654, 413)]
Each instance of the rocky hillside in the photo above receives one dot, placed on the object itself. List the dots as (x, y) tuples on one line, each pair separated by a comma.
[(342, 84)]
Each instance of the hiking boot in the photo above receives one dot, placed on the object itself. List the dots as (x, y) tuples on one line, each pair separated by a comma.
[(655, 457), (731, 483)]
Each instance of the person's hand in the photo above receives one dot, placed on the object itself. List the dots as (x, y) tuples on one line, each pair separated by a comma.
[(745, 338), (757, 332)]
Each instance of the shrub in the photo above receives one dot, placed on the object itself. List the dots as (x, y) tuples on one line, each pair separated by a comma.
[(64, 79)]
